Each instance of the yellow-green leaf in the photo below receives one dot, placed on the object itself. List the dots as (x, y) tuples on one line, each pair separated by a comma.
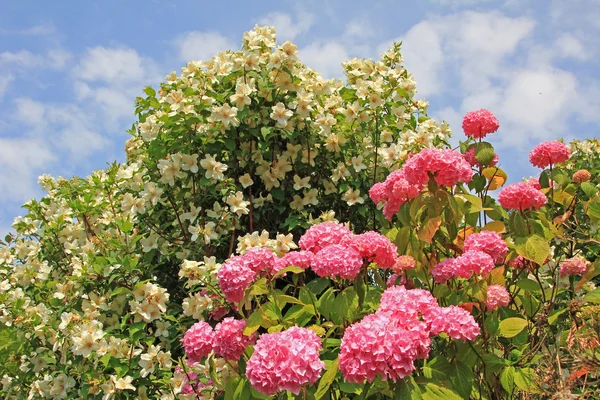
[(511, 327)]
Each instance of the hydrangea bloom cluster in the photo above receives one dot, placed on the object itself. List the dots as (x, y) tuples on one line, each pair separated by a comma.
[(470, 157), (478, 124), (547, 153), (404, 263), (336, 260), (455, 321), (448, 167), (302, 259), (573, 266), (395, 191), (285, 361), (521, 196), (321, 235), (583, 175), (489, 242), (497, 296), (229, 339), (234, 278), (470, 262), (388, 342), (517, 262), (374, 247), (198, 341)]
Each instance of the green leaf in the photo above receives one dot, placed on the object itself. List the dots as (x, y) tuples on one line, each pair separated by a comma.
[(589, 189), (462, 378), (593, 207), (253, 323), (259, 287), (317, 286), (325, 303), (435, 392), (331, 369), (525, 379), (484, 153), (534, 248), (407, 389), (345, 306), (507, 379), (528, 285), (149, 91), (592, 297), (292, 269), (553, 317), (511, 327)]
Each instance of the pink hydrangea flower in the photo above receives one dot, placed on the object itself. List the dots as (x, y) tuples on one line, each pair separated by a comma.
[(535, 182), (573, 266), (395, 279), (521, 196), (473, 262), (379, 345), (302, 259), (583, 175), (234, 278), (395, 191), (378, 192), (336, 260), (489, 242), (259, 259), (230, 341), (456, 322), (321, 235), (470, 157), (547, 153), (517, 262), (448, 167), (198, 341), (497, 296), (404, 263), (407, 305), (444, 270), (373, 247), (285, 361), (478, 124)]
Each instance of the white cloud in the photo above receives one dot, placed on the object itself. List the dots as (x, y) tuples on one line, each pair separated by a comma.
[(197, 45), (567, 45), (30, 112), (21, 161), (53, 59), (285, 27), (326, 58), (4, 84), (112, 65)]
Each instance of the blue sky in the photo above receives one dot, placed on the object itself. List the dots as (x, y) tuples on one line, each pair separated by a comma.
[(70, 70)]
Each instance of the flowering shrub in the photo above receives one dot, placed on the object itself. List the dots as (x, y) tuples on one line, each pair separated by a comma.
[(211, 264)]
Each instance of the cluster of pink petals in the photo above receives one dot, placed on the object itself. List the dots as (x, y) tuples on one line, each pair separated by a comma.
[(259, 259), (404, 263), (489, 242), (302, 259), (374, 247), (534, 182), (395, 191), (470, 157), (497, 296), (387, 343), (337, 260), (470, 262), (448, 167), (456, 322), (285, 361), (234, 278), (480, 123), (395, 279), (321, 235), (381, 345), (547, 153), (583, 175), (521, 196), (229, 340), (517, 262), (198, 341), (573, 266)]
